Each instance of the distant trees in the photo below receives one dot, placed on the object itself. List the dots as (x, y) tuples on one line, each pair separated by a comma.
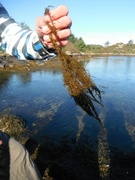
[(130, 42), (72, 38), (81, 46), (24, 26), (107, 43), (79, 43)]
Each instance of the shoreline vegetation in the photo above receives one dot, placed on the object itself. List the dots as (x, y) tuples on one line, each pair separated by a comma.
[(12, 64)]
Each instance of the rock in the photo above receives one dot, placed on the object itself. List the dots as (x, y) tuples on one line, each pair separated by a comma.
[(68, 53), (11, 65), (14, 126), (40, 63), (1, 65)]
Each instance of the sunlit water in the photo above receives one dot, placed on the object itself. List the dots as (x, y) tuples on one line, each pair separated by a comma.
[(41, 99)]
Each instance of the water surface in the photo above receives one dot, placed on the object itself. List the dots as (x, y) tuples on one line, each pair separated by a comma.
[(41, 99)]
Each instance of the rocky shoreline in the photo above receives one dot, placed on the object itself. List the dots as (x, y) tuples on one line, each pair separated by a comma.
[(12, 64)]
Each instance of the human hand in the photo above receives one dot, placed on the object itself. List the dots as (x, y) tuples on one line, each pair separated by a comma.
[(61, 21)]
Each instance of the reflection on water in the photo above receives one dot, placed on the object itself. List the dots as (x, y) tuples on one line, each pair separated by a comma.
[(41, 99)]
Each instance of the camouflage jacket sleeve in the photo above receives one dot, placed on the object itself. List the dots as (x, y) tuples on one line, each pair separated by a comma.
[(23, 44)]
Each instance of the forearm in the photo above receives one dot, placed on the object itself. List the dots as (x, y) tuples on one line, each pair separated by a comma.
[(24, 44)]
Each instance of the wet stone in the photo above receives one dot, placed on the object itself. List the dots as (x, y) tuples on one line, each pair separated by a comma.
[(40, 63), (14, 126), (1, 65)]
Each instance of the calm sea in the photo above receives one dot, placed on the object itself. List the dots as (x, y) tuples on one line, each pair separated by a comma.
[(41, 99)]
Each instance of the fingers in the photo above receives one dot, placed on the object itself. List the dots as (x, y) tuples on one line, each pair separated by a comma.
[(61, 43), (57, 13), (61, 23), (63, 32), (61, 35), (61, 39)]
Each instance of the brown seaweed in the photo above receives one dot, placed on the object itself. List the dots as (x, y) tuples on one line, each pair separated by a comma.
[(78, 82)]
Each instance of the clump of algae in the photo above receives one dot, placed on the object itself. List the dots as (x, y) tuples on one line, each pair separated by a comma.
[(78, 82)]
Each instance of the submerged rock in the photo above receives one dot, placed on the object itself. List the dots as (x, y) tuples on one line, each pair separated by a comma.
[(14, 126)]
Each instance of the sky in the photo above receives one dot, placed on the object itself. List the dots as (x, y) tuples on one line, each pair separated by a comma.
[(96, 21)]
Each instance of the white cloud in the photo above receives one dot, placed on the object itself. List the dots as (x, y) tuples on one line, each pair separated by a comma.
[(113, 38)]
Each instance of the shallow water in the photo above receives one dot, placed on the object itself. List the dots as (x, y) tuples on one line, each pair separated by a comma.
[(41, 99)]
